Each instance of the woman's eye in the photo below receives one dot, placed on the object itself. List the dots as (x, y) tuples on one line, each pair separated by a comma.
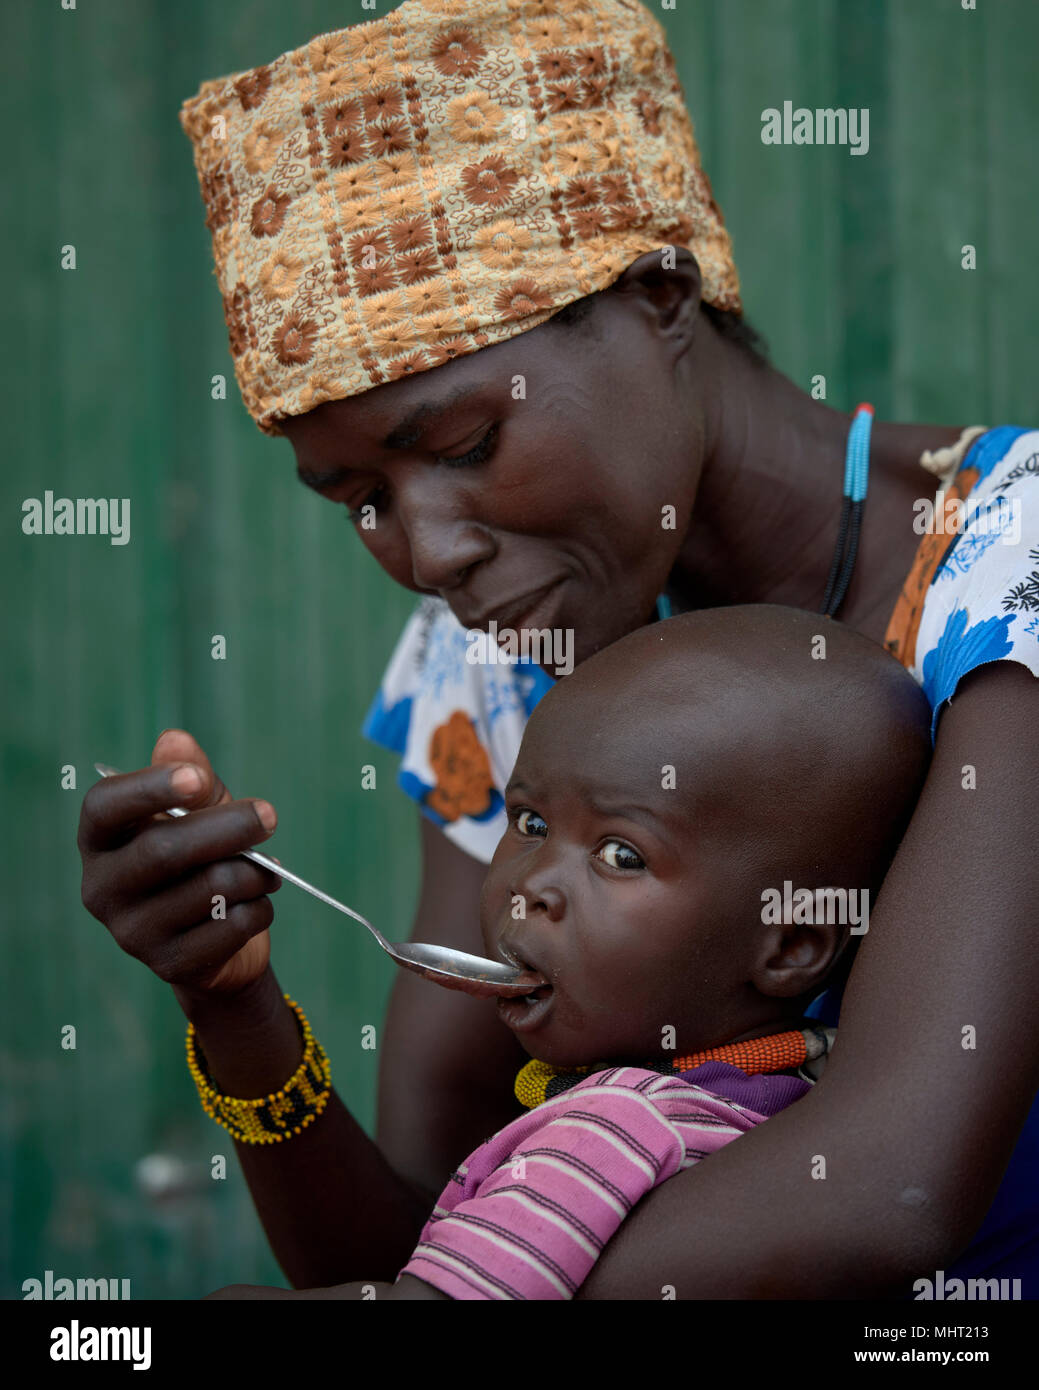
[(477, 454), (530, 823), (620, 856), (376, 498)]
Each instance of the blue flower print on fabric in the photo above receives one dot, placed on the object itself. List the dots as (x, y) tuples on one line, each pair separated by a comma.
[(959, 650), (517, 687), (991, 448), (965, 553), (388, 724), (444, 659)]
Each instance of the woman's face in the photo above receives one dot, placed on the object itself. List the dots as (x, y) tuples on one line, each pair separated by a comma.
[(531, 482)]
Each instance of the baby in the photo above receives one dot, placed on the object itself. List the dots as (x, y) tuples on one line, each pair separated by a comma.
[(666, 798)]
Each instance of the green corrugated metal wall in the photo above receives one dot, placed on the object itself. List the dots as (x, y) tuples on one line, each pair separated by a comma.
[(851, 268)]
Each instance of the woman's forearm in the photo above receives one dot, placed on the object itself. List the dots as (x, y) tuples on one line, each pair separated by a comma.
[(331, 1205), (763, 1219)]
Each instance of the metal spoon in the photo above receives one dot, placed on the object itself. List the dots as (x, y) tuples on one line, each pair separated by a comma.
[(452, 969)]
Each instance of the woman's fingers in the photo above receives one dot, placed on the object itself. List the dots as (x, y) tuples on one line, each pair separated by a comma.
[(175, 891), (113, 808), (146, 924), (196, 956), (164, 851), (178, 746)]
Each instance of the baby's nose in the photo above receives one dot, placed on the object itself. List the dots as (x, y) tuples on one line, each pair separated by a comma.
[(530, 897)]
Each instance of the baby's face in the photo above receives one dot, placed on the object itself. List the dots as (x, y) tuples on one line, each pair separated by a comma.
[(610, 883)]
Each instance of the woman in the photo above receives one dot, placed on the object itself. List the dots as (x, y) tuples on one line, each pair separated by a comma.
[(399, 212)]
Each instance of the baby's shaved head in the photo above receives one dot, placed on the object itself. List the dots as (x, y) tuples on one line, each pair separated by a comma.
[(780, 724)]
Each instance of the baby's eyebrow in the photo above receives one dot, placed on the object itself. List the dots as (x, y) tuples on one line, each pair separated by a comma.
[(629, 810)]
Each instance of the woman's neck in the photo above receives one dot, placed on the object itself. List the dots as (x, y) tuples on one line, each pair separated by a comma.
[(768, 505)]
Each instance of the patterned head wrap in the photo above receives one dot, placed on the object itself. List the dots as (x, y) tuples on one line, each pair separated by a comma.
[(403, 192)]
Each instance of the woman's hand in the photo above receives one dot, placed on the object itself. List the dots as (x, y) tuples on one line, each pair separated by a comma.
[(152, 878)]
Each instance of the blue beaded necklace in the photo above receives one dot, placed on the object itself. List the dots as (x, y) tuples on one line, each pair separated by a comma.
[(856, 482)]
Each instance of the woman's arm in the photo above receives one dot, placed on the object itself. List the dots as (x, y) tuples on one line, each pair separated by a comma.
[(330, 1203), (915, 1128)]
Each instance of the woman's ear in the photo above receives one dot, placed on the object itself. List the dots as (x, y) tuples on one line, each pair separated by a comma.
[(795, 957)]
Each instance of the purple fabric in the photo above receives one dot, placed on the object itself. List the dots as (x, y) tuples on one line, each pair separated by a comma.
[(765, 1094)]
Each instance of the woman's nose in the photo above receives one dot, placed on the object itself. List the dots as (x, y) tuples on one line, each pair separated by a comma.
[(444, 542)]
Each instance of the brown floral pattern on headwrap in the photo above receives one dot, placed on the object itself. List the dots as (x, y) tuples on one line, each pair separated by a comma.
[(463, 773), (396, 194)]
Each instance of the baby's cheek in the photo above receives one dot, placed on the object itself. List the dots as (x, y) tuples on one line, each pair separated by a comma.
[(569, 1015)]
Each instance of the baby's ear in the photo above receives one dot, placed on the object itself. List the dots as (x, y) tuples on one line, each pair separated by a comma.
[(795, 957)]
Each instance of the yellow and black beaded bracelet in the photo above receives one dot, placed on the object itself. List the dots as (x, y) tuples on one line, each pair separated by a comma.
[(272, 1118)]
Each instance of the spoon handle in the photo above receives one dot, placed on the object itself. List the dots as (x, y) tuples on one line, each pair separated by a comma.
[(282, 872), (275, 868)]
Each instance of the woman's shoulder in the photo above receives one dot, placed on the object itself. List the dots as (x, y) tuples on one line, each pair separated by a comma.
[(974, 588)]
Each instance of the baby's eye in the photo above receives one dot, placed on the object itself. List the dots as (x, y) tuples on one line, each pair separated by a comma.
[(530, 823), (619, 855)]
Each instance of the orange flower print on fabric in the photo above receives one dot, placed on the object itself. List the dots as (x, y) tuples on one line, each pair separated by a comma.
[(236, 316), (417, 265), (216, 193), (591, 222), (457, 53), (410, 233), (344, 115), (252, 88), (345, 146), (565, 96), (447, 351), (385, 102), (389, 137), (503, 244), (557, 65), (474, 118), (294, 340), (649, 112), (328, 51), (592, 62), (520, 298), (374, 280), (489, 183), (269, 212), (406, 366), (461, 768)]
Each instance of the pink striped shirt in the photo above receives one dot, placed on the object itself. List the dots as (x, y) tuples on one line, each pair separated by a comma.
[(528, 1214)]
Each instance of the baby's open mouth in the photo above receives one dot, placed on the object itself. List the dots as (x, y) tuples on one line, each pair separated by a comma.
[(527, 1011), (542, 992)]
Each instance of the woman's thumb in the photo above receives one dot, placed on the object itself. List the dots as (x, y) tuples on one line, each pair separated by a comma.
[(178, 746)]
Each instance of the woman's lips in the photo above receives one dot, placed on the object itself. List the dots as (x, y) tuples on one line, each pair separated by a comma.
[(525, 606), (530, 607)]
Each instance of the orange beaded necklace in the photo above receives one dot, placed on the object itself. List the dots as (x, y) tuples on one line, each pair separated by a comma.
[(540, 1081)]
